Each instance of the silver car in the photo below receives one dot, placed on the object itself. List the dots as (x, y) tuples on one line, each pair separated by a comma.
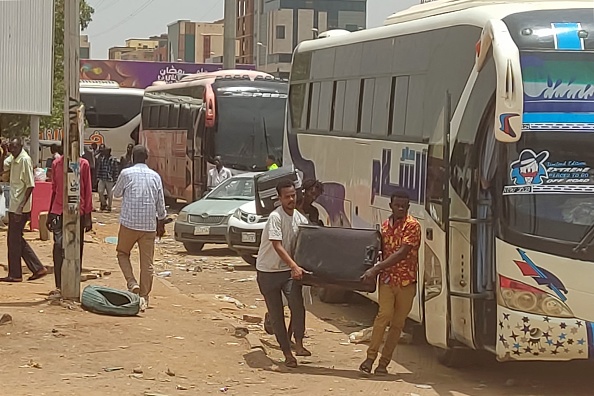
[(205, 221)]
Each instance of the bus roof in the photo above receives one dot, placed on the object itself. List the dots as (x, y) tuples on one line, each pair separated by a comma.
[(440, 14), (211, 77), (107, 87)]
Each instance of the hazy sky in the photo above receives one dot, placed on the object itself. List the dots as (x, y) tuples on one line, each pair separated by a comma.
[(115, 21)]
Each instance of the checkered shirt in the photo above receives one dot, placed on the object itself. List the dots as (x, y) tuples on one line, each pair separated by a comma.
[(143, 201), (107, 168)]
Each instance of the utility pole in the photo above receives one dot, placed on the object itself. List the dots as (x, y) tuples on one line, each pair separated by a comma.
[(71, 145), (230, 34)]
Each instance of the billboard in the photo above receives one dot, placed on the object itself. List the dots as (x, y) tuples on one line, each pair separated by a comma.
[(134, 74), (26, 52)]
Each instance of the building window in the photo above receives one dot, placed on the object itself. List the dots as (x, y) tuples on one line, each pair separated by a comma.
[(351, 27), (280, 32)]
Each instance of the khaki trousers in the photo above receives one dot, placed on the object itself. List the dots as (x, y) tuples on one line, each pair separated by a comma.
[(127, 238), (395, 303)]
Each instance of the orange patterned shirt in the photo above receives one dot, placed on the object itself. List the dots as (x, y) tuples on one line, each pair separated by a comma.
[(403, 232)]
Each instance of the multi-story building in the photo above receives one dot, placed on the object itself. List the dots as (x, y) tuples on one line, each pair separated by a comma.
[(245, 31), (282, 24), (85, 47), (140, 49), (195, 42)]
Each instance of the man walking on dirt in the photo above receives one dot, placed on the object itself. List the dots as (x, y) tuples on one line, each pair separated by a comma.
[(401, 239), (20, 168), (107, 173), (279, 274), (142, 219)]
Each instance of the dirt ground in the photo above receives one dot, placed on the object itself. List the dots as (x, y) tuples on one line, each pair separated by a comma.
[(185, 343)]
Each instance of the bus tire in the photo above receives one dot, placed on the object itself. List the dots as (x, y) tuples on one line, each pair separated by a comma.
[(250, 259), (453, 357), (193, 247), (333, 295)]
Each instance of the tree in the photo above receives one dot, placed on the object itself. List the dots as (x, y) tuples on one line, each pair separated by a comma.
[(12, 125)]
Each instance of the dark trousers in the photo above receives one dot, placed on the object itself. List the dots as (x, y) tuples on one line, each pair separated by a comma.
[(58, 251), (271, 285), (19, 248)]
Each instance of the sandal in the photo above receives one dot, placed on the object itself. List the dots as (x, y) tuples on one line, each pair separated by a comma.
[(381, 370), (9, 279), (291, 362), (366, 366), (38, 275)]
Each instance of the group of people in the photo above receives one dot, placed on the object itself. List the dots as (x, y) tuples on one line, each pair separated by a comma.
[(278, 275), (142, 217)]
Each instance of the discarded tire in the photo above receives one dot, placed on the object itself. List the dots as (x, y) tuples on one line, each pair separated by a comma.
[(107, 301)]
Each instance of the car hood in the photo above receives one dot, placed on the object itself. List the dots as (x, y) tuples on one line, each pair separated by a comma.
[(213, 207), (249, 207)]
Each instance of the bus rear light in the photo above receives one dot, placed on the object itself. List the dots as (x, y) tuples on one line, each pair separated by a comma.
[(522, 297)]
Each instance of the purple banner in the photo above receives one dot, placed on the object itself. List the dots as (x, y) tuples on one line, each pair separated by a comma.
[(134, 74)]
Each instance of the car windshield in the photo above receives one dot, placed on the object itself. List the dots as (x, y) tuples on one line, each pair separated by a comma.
[(237, 188)]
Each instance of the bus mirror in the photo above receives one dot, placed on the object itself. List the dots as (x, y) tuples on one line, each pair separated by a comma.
[(509, 97)]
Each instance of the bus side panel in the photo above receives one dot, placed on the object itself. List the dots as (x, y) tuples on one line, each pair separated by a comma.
[(168, 158)]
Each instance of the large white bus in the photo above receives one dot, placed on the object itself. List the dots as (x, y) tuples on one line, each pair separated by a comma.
[(484, 112), (112, 114)]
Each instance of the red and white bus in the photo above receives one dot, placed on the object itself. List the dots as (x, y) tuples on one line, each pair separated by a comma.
[(236, 114)]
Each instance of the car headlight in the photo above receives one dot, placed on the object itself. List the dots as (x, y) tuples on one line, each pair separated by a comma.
[(237, 214), (521, 297), (183, 216)]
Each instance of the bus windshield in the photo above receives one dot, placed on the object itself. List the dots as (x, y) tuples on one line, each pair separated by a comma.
[(249, 128), (549, 188)]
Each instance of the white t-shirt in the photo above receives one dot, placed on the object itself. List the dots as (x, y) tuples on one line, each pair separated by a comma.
[(280, 227), (216, 177)]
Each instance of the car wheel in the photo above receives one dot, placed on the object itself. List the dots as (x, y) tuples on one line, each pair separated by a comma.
[(250, 259), (193, 247)]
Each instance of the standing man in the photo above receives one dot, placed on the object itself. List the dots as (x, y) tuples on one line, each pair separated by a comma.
[(401, 239), (271, 163), (141, 220), (126, 160), (279, 274), (218, 174), (54, 220), (19, 212), (89, 155), (107, 173)]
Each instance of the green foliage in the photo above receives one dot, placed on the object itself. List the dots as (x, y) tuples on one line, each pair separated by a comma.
[(12, 125)]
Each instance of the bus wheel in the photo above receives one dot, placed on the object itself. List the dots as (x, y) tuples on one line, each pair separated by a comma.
[(333, 295), (454, 357), (193, 247), (248, 258)]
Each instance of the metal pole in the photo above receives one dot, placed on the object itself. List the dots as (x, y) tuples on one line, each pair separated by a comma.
[(71, 218), (34, 140), (230, 34)]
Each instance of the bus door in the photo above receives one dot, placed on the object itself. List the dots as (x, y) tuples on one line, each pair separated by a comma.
[(201, 140), (436, 226)]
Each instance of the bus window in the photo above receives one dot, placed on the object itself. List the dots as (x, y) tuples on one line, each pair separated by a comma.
[(110, 110)]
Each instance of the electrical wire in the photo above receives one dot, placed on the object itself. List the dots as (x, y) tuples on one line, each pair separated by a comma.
[(143, 7)]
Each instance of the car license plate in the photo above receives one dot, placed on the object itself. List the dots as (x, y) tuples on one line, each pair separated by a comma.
[(248, 237), (201, 230)]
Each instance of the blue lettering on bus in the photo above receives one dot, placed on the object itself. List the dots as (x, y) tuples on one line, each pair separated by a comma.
[(412, 175)]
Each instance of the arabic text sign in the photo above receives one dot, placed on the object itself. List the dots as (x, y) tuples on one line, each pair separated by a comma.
[(133, 74)]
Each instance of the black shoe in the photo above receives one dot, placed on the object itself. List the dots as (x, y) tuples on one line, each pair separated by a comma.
[(268, 324)]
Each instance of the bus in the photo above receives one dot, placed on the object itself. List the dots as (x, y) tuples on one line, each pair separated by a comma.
[(112, 114), (484, 112), (236, 114)]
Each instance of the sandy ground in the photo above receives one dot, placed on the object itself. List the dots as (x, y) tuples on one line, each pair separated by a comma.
[(185, 343)]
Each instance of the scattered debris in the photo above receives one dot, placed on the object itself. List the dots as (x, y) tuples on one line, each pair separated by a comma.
[(231, 300), (169, 372), (181, 387), (110, 369), (241, 332), (422, 386), (250, 279), (137, 370), (230, 268), (254, 319), (111, 240), (31, 364), (224, 389), (136, 376), (5, 319), (164, 274), (360, 337)]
